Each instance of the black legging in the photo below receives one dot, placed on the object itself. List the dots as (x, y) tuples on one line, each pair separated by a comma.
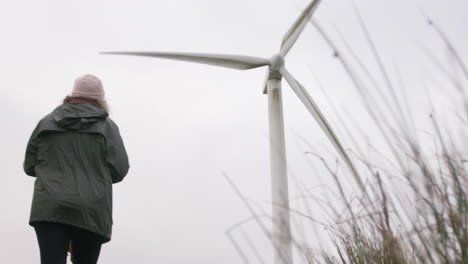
[(54, 239)]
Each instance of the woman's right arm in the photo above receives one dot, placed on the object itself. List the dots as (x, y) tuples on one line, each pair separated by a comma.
[(30, 159)]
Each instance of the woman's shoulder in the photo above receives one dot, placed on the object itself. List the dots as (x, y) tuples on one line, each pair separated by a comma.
[(107, 127), (47, 123)]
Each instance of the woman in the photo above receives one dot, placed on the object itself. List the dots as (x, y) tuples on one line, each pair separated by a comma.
[(76, 153)]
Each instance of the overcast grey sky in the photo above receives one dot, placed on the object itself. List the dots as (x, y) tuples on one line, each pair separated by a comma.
[(185, 123)]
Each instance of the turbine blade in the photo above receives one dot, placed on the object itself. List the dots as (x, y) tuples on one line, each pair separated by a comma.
[(319, 117), (295, 31), (222, 60)]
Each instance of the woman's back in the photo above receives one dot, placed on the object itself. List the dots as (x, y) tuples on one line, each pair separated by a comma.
[(71, 154)]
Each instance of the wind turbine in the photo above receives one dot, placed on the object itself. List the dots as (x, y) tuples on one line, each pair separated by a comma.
[(276, 70)]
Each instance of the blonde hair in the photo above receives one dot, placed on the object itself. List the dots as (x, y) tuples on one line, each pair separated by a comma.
[(79, 99)]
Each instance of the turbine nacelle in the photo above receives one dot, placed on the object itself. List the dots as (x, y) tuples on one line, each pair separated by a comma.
[(276, 62), (273, 72)]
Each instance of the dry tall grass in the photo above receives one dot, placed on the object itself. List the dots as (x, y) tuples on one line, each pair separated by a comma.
[(423, 218)]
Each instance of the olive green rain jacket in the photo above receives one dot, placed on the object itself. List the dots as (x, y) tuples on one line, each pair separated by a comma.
[(76, 153)]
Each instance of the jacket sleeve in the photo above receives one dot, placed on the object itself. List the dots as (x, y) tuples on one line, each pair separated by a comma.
[(116, 154), (30, 159)]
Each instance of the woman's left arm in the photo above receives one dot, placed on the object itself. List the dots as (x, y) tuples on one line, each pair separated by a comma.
[(116, 154)]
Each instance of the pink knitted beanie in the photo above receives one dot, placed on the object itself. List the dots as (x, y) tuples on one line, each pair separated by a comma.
[(88, 86)]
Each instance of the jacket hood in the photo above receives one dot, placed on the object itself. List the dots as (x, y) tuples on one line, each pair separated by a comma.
[(78, 116)]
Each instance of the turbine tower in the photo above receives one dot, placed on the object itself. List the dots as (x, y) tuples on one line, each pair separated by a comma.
[(276, 70)]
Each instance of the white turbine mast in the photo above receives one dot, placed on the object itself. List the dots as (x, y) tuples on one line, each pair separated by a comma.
[(276, 70)]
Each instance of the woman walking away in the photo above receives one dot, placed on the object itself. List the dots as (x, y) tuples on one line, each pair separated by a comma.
[(76, 154)]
